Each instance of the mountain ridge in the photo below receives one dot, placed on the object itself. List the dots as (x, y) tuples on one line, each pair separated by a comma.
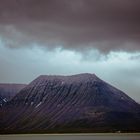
[(75, 78)]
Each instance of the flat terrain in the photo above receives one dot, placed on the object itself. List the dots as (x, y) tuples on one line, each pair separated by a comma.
[(72, 137)]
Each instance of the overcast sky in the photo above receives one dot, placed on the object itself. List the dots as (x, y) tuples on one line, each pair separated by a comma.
[(69, 37)]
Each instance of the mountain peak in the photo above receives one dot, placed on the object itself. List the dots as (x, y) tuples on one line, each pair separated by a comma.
[(77, 78), (63, 76)]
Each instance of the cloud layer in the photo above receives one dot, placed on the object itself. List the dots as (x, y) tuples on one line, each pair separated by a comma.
[(69, 37), (105, 25)]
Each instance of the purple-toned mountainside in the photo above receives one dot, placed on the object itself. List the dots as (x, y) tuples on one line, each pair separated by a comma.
[(77, 103), (8, 91)]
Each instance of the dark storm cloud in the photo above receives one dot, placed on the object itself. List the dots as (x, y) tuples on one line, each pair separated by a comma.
[(105, 25)]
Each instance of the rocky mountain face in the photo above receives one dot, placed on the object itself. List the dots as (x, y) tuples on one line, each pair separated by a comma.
[(77, 103), (8, 91)]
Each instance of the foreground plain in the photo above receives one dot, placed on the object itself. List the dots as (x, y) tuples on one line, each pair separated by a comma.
[(72, 137)]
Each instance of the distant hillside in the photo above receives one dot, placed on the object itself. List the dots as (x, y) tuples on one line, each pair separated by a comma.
[(8, 91)]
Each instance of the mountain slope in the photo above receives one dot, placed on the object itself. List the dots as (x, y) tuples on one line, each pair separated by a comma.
[(77, 103)]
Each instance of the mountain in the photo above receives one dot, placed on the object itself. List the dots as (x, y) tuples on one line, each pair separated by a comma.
[(8, 91), (77, 103)]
